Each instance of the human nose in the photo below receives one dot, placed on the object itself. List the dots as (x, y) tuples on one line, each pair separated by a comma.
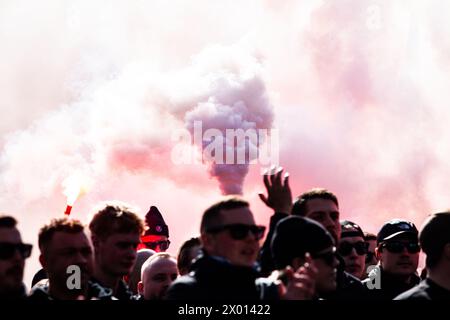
[(17, 255), (353, 252), (328, 222)]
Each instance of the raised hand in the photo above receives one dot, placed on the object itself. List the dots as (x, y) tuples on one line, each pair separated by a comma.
[(279, 196), (301, 283)]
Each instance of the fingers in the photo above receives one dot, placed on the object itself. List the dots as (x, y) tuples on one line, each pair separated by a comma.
[(263, 198), (308, 258), (275, 176), (308, 267), (300, 287), (278, 174), (286, 181), (272, 175), (266, 180), (289, 273)]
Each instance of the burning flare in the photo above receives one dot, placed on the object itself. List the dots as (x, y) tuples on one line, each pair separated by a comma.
[(75, 186)]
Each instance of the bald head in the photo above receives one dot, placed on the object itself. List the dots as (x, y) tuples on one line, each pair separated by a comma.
[(157, 274)]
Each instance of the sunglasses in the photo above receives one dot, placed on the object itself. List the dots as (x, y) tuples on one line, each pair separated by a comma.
[(163, 245), (346, 248), (7, 250), (327, 257), (240, 231), (398, 247)]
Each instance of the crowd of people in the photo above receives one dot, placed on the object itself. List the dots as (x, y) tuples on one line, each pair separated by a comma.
[(308, 253)]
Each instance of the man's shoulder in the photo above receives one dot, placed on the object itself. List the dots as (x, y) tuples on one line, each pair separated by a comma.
[(419, 292), (184, 287), (98, 292), (350, 281), (267, 289), (186, 279), (39, 292)]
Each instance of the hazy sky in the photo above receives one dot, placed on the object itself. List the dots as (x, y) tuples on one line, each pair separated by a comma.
[(358, 91)]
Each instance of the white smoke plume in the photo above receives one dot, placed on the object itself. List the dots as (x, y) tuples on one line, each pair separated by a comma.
[(223, 90)]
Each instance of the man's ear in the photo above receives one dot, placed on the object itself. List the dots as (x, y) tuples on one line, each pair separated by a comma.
[(207, 240), (43, 261), (446, 252), (95, 242), (378, 253), (140, 288)]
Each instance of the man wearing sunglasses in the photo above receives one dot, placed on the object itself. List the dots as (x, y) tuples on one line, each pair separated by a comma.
[(156, 235), (435, 242), (353, 249), (294, 238), (227, 267), (12, 259), (398, 253)]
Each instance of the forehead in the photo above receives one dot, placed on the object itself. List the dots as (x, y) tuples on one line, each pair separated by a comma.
[(402, 240), (10, 235), (124, 237), (63, 239), (322, 205), (162, 265), (241, 215)]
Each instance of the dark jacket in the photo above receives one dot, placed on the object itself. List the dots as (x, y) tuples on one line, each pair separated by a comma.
[(19, 294), (95, 291), (215, 279), (265, 254), (123, 292), (426, 290), (348, 287), (390, 285)]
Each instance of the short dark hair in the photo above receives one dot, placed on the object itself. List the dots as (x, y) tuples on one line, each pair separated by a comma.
[(7, 221), (299, 207), (212, 215), (434, 236), (58, 225), (183, 259), (115, 217)]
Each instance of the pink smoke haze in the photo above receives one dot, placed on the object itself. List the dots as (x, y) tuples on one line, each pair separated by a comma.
[(357, 89)]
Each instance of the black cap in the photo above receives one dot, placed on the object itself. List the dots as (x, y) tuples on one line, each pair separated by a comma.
[(38, 276), (294, 236), (435, 234), (395, 228), (155, 224), (351, 229)]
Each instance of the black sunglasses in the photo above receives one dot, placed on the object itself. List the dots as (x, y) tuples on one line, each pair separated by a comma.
[(346, 248), (328, 257), (163, 245), (398, 247), (8, 249), (240, 231)]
